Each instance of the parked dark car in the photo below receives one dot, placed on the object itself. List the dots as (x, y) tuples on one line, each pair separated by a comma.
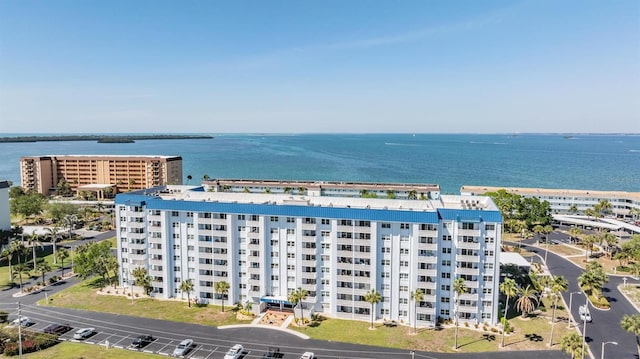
[(142, 341), (272, 353), (57, 329)]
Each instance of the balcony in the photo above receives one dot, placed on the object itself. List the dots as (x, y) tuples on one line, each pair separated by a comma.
[(471, 271), (469, 296), (469, 232), (468, 245), (471, 284), (467, 309), (428, 246), (308, 226), (426, 310), (473, 259), (428, 272), (427, 233), (311, 251), (136, 246)]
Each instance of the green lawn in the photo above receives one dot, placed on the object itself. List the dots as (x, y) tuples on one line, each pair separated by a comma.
[(530, 334), (69, 350), (85, 296)]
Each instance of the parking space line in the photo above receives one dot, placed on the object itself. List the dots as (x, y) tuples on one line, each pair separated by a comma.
[(161, 349), (194, 351), (213, 351)]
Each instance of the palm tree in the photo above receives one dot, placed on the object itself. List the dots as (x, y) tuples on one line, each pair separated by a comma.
[(588, 241), (70, 221), (34, 240), (43, 268), (611, 241), (372, 297), (631, 323), (417, 296), (131, 183), (292, 298), (21, 269), (187, 287), (61, 255), (189, 178), (634, 213), (206, 177), (572, 345), (593, 278), (559, 284), (573, 209), (222, 288), (603, 207), (459, 287), (574, 232), (302, 294), (53, 232), (8, 253), (413, 194), (527, 301), (510, 289)]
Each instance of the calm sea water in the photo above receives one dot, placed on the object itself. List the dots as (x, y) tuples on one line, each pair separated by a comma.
[(598, 162)]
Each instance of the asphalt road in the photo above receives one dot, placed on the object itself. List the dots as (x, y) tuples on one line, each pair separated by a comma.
[(605, 325)]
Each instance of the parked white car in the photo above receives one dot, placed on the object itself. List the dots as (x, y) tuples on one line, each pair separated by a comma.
[(84, 333), (22, 321), (235, 352), (183, 348), (584, 313), (308, 355)]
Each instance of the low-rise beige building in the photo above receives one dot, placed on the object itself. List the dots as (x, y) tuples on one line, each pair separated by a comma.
[(104, 174)]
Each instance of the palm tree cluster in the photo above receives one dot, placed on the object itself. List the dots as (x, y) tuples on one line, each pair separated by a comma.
[(593, 279)]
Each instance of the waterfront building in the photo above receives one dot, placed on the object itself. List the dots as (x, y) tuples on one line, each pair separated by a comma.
[(105, 175), (565, 201), (327, 188), (265, 245), (5, 217)]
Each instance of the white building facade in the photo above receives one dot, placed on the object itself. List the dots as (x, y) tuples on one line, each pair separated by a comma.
[(5, 216), (337, 249)]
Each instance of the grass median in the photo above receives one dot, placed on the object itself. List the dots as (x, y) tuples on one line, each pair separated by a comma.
[(85, 296), (79, 350)]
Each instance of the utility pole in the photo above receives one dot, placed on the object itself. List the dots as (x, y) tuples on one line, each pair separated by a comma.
[(19, 331)]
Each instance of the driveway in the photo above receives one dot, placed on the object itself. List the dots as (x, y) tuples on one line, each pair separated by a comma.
[(606, 324)]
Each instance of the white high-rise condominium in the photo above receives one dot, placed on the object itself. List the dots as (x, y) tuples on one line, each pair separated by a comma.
[(265, 245)]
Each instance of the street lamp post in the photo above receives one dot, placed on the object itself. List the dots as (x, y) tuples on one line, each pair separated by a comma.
[(602, 351), (624, 280), (413, 353), (584, 329), (570, 300)]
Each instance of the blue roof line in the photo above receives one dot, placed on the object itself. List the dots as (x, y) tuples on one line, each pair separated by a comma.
[(391, 215)]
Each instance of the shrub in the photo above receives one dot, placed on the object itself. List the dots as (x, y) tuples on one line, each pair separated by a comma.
[(466, 324)]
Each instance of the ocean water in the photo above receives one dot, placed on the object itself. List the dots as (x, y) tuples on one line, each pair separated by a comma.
[(597, 162)]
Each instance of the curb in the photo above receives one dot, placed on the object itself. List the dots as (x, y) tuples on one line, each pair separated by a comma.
[(627, 297)]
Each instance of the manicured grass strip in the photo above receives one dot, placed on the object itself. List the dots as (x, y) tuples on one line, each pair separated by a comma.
[(77, 350), (84, 296), (530, 334)]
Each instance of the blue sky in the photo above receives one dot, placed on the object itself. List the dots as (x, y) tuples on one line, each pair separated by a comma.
[(320, 66)]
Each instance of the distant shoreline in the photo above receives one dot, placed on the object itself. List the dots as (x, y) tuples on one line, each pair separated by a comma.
[(102, 138)]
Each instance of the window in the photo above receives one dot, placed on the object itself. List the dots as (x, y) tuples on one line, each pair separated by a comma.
[(241, 217), (175, 213), (446, 262), (326, 221), (446, 275), (385, 275), (403, 301), (273, 219), (488, 253), (404, 263), (404, 226), (291, 231), (445, 300), (446, 250), (404, 288), (404, 275), (445, 287), (291, 220), (385, 225), (488, 278), (386, 262), (386, 249), (490, 227)]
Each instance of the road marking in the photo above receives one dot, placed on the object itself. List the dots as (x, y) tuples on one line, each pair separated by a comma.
[(90, 342), (148, 351), (213, 351)]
